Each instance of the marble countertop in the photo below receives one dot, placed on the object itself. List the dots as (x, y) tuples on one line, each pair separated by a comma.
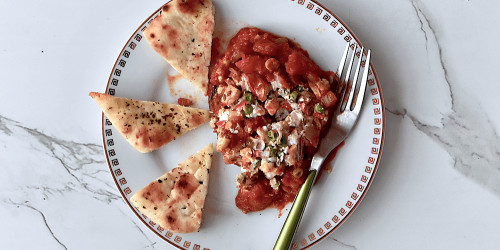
[(437, 186)]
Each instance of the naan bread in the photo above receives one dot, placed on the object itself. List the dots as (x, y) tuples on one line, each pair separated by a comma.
[(149, 125), (182, 34), (175, 200)]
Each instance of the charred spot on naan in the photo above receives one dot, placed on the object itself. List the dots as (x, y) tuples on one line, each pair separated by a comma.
[(188, 49), (154, 193), (184, 189), (185, 185), (190, 6)]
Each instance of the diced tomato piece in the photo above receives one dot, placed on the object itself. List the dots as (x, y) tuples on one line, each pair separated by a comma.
[(252, 63), (282, 80), (299, 64), (272, 106), (285, 105), (258, 86), (262, 91), (266, 47), (323, 85), (328, 99), (220, 123), (240, 105), (315, 89)]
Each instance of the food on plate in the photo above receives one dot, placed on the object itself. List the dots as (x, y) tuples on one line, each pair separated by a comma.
[(184, 102), (149, 125), (269, 103), (175, 200), (182, 34)]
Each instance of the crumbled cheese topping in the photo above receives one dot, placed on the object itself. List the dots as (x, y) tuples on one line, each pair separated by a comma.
[(257, 111), (223, 114), (293, 138), (295, 118), (274, 183), (258, 144)]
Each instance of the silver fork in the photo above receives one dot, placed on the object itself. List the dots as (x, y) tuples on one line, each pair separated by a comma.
[(344, 119)]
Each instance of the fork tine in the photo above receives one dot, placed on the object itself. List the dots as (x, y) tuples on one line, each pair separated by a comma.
[(362, 86), (349, 67), (342, 61), (345, 83), (354, 81)]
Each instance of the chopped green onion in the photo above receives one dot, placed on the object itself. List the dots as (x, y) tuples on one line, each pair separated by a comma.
[(248, 109), (271, 136), (272, 151), (318, 108), (282, 142), (248, 97), (294, 95)]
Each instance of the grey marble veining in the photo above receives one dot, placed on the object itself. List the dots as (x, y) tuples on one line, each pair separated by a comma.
[(465, 132), (27, 205), (436, 187), (75, 168)]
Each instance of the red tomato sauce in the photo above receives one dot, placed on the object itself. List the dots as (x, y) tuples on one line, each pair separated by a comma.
[(264, 93)]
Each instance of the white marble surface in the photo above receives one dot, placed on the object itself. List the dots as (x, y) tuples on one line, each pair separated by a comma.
[(438, 183)]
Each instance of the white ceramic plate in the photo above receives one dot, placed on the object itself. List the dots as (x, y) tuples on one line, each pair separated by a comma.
[(140, 73)]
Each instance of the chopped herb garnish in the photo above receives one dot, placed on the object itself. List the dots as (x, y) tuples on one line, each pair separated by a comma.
[(294, 95), (248, 97), (282, 142), (248, 110), (272, 151), (318, 108), (271, 135)]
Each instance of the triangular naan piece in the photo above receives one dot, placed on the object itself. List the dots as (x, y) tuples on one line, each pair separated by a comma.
[(175, 200), (182, 34), (149, 125)]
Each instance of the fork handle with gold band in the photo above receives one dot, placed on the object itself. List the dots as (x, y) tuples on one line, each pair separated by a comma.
[(292, 221)]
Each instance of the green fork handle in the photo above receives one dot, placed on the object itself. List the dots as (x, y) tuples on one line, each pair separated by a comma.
[(292, 221)]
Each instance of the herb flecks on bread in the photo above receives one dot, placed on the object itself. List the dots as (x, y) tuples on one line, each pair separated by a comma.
[(149, 125), (175, 200)]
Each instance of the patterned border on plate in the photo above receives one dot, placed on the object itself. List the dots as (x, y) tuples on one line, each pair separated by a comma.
[(341, 213), (373, 159), (112, 154)]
